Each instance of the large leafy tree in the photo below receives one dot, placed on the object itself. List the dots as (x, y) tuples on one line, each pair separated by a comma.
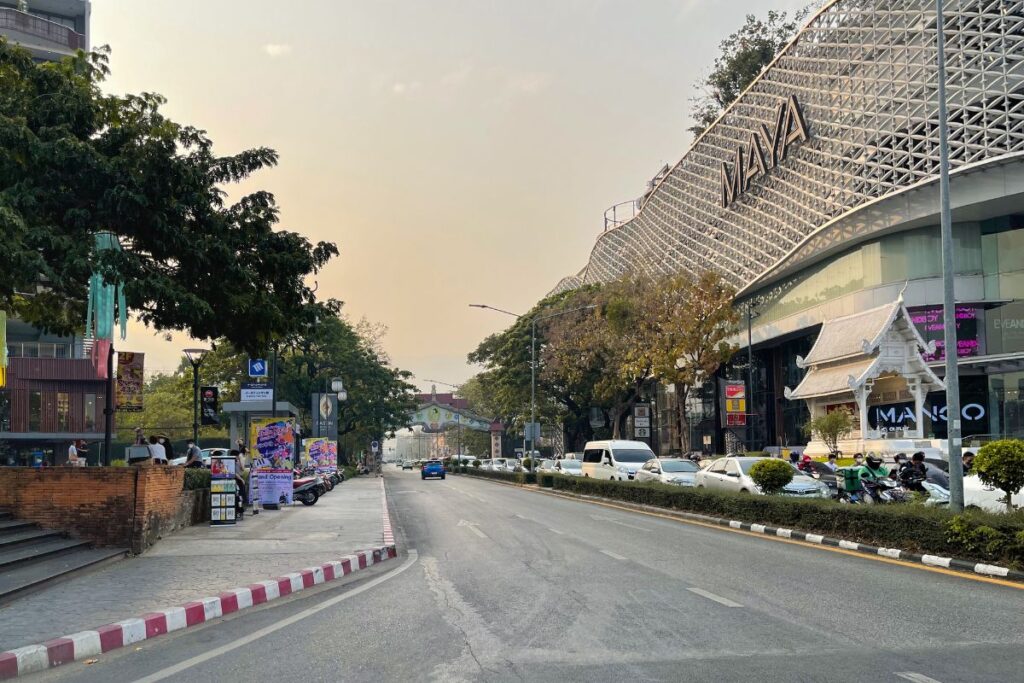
[(75, 161), (744, 54), (685, 338)]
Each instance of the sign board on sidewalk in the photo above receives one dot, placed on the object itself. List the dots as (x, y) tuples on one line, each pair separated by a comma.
[(641, 422), (130, 378), (258, 367), (374, 446), (324, 410), (642, 432), (531, 431), (642, 411), (223, 490), (274, 453), (257, 392), (734, 403), (210, 399)]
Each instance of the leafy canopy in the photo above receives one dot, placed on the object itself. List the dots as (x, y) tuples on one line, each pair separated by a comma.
[(75, 161), (744, 54), (1001, 464), (830, 427)]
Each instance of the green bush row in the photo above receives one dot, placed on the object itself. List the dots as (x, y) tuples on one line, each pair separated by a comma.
[(976, 535), (511, 477), (196, 478)]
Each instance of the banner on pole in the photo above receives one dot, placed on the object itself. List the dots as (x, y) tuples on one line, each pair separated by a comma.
[(321, 454), (274, 451), (130, 380), (210, 401)]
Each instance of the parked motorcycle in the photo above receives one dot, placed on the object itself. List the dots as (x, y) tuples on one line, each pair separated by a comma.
[(854, 490), (306, 490)]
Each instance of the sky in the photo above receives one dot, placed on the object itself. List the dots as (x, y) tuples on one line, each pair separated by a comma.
[(457, 151)]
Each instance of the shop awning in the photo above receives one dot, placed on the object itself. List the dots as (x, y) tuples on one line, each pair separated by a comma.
[(835, 379)]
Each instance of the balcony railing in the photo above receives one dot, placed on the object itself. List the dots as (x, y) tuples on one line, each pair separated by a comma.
[(13, 20), (40, 350)]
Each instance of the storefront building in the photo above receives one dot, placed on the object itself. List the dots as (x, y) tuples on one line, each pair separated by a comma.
[(816, 195)]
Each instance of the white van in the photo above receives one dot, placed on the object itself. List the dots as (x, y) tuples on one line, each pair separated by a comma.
[(614, 459)]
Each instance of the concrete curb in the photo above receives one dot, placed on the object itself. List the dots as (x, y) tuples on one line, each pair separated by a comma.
[(86, 644), (817, 539)]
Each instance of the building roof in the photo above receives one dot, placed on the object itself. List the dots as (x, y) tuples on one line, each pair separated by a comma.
[(835, 379), (443, 399), (848, 336)]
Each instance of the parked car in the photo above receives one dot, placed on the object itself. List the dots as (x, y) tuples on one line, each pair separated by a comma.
[(823, 474), (570, 468), (733, 474), (546, 466), (432, 468), (614, 459), (572, 456), (406, 465), (668, 471)]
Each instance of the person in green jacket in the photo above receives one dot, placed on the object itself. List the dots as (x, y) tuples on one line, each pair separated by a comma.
[(873, 469)]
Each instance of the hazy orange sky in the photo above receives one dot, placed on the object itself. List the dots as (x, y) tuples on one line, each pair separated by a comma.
[(457, 151)]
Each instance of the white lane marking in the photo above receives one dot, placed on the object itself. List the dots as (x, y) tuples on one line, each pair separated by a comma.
[(915, 677), (717, 598), (612, 555), (478, 532), (601, 518), (556, 531), (517, 516), (284, 623)]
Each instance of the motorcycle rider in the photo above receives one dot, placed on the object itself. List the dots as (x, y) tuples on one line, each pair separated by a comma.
[(911, 474), (873, 468)]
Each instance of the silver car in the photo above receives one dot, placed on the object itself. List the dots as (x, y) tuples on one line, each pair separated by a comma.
[(669, 471), (733, 474), (570, 468)]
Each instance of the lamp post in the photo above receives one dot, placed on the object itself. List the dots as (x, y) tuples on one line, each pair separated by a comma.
[(533, 364), (956, 466), (195, 358)]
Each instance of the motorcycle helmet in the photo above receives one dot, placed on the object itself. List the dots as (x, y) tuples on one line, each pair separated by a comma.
[(873, 461)]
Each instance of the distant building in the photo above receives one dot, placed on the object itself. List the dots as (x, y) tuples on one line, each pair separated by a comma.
[(50, 29), (54, 392)]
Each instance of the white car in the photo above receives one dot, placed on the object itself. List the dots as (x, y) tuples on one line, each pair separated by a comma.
[(977, 494), (669, 471), (614, 459), (570, 468), (733, 474), (546, 466)]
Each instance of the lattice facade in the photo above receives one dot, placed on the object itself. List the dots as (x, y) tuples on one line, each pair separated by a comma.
[(864, 74)]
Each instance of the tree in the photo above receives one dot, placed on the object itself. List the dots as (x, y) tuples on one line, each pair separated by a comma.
[(76, 162), (688, 324), (771, 474), (830, 427), (1001, 464), (744, 54)]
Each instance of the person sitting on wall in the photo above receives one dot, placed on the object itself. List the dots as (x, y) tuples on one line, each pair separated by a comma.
[(195, 456), (157, 454)]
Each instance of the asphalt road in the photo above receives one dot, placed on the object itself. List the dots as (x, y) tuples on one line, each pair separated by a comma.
[(496, 583)]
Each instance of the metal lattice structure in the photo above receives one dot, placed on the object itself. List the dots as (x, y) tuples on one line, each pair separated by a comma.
[(865, 76)]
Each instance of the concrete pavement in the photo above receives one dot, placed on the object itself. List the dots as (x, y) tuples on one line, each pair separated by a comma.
[(507, 584), (201, 561)]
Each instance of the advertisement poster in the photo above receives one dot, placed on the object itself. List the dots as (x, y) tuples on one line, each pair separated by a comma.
[(223, 490), (322, 454), (210, 397), (129, 382), (274, 450)]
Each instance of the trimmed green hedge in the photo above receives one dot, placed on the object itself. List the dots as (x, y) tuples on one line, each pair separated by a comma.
[(196, 478), (977, 535)]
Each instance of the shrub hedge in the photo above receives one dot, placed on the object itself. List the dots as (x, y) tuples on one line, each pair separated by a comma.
[(976, 535), (196, 478)]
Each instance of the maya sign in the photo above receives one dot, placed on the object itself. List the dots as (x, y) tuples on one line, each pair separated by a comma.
[(764, 149)]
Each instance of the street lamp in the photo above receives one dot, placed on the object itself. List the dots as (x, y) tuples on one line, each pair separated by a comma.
[(195, 358), (533, 364)]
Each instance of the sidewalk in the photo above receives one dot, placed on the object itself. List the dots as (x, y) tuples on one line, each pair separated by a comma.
[(201, 561)]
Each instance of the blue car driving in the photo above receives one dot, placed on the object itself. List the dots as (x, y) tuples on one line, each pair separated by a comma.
[(432, 468)]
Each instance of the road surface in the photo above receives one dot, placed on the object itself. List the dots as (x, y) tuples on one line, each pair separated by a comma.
[(496, 583)]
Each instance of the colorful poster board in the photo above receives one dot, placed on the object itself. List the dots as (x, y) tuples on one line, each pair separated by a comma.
[(322, 454), (129, 381), (223, 490), (274, 451)]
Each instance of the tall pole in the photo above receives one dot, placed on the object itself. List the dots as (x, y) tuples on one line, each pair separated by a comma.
[(195, 403), (956, 467), (108, 406), (533, 390), (273, 387), (750, 378)]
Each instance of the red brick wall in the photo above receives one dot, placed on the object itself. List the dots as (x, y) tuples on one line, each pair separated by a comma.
[(127, 507)]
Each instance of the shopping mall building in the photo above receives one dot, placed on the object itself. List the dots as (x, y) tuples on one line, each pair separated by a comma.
[(816, 195)]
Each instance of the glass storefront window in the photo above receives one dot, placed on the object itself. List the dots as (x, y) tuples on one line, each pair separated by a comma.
[(63, 412), (35, 411), (89, 412)]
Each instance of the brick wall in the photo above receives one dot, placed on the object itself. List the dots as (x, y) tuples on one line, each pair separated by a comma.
[(126, 507)]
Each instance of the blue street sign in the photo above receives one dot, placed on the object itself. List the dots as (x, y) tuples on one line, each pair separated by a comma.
[(257, 367)]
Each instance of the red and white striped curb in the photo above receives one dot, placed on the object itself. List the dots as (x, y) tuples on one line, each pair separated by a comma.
[(85, 644), (389, 535)]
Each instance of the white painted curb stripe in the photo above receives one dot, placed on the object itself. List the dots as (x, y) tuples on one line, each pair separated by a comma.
[(175, 618), (814, 538), (991, 570), (784, 533), (759, 528), (849, 545), (132, 631), (936, 561), (211, 608), (735, 525), (87, 643), (32, 658), (889, 552)]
